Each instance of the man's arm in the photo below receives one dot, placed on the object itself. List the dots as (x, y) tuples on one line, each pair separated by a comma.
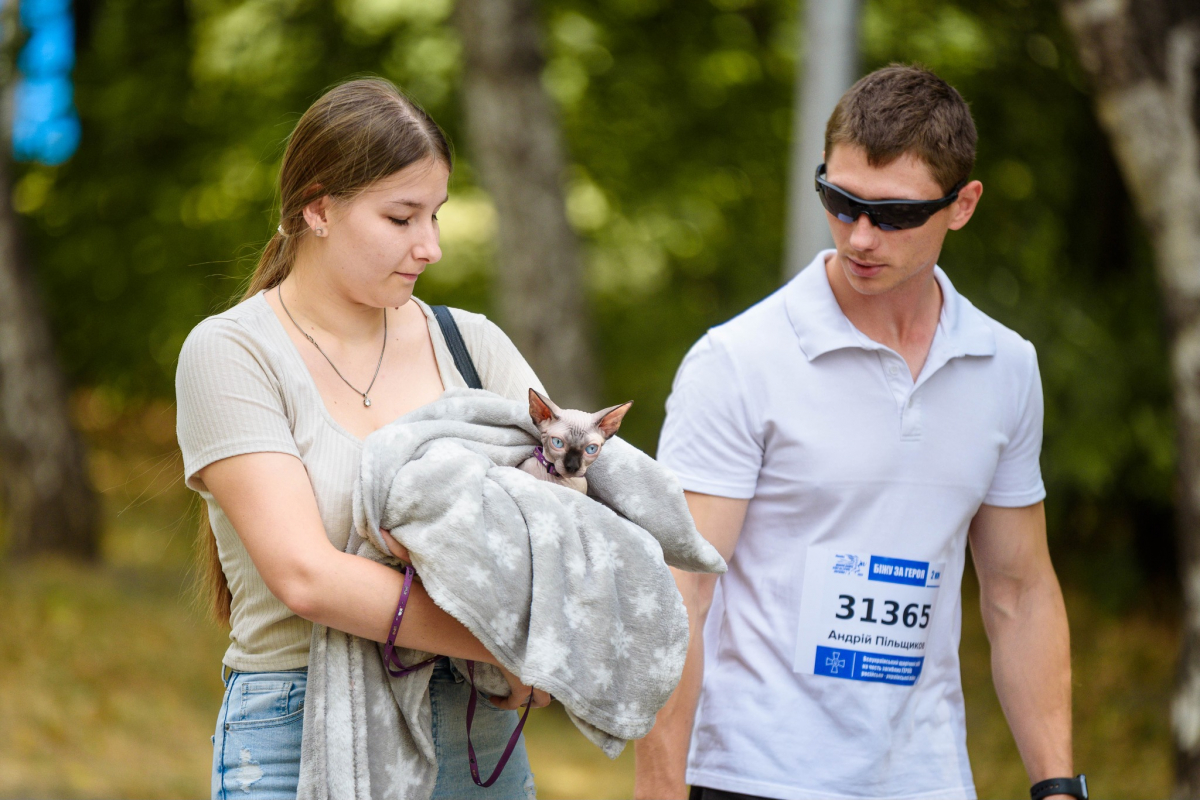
[(662, 754), (1026, 623)]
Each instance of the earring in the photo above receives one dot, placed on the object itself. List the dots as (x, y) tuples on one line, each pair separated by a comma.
[(319, 231)]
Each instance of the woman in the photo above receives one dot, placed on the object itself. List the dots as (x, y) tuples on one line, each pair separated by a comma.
[(275, 396)]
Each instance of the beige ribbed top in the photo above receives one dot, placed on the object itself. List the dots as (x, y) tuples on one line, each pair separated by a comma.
[(242, 387)]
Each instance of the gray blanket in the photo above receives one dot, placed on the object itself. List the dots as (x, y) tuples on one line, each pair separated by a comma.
[(570, 592)]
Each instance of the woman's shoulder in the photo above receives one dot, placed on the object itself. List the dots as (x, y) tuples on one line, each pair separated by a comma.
[(238, 332), (479, 330), (501, 366), (479, 333)]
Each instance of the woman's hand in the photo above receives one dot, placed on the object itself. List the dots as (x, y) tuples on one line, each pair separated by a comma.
[(397, 549), (519, 694)]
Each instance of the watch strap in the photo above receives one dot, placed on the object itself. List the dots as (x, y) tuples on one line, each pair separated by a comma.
[(1076, 787)]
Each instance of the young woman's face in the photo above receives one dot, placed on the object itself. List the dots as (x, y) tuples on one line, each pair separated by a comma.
[(378, 243)]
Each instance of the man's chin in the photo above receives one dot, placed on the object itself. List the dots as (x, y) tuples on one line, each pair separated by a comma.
[(875, 282)]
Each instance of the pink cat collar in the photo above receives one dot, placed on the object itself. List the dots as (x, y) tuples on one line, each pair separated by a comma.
[(541, 457)]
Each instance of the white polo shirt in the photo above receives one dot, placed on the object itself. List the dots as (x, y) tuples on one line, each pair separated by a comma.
[(831, 649)]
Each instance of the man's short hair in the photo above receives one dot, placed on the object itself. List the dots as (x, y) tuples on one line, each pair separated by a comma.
[(906, 109)]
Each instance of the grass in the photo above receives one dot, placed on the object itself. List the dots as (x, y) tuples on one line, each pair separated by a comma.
[(109, 676)]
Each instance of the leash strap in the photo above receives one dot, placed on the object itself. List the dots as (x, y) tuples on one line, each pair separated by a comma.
[(458, 348), (391, 661), (397, 669), (466, 368), (512, 741)]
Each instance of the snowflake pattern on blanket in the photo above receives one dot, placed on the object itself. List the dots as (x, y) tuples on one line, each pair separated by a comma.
[(571, 592)]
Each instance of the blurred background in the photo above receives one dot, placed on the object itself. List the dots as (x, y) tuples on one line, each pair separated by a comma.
[(675, 123)]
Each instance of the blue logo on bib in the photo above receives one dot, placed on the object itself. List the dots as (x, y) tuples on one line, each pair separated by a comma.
[(848, 565), (855, 665), (899, 570)]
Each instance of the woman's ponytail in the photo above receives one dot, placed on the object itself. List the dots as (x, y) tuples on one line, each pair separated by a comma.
[(274, 264), (216, 595)]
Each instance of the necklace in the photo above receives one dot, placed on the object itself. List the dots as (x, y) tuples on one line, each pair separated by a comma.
[(366, 400)]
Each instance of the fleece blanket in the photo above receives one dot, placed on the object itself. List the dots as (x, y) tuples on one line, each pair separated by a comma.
[(569, 591)]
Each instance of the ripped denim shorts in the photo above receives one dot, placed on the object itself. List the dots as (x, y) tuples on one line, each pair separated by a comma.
[(256, 747)]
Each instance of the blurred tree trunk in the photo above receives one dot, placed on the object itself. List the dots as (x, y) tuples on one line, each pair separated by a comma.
[(45, 494), (1144, 61), (515, 140), (828, 43)]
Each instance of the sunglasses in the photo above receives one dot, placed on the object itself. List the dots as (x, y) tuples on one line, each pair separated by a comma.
[(887, 215)]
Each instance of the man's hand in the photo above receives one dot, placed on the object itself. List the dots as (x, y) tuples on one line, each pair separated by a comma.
[(1026, 623)]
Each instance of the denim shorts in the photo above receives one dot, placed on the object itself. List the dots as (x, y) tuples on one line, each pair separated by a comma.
[(490, 732), (256, 747)]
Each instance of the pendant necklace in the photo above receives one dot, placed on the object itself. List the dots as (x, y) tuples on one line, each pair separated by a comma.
[(366, 400)]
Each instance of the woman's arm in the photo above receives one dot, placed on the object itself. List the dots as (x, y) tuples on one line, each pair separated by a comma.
[(269, 499)]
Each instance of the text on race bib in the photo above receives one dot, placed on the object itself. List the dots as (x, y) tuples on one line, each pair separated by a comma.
[(865, 617)]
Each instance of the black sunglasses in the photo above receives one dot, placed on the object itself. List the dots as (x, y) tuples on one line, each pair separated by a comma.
[(887, 215)]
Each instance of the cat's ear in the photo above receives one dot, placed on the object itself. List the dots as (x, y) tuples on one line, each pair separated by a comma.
[(609, 419), (540, 408)]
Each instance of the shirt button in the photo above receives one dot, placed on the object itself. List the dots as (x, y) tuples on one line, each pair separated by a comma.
[(892, 370)]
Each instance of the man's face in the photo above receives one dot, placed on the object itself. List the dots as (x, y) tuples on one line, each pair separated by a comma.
[(876, 261)]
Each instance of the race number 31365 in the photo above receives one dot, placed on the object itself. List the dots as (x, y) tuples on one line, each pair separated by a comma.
[(891, 614), (865, 616)]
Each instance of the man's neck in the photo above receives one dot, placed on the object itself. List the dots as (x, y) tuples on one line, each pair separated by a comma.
[(904, 319)]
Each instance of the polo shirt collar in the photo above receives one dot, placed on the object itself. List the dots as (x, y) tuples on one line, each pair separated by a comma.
[(821, 327)]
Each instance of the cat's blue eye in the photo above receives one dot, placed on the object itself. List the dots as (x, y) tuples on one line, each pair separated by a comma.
[(557, 442), (591, 449)]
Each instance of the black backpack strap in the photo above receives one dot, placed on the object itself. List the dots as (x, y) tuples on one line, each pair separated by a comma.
[(458, 348)]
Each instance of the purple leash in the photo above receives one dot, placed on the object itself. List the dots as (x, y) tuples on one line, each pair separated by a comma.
[(512, 741), (392, 660)]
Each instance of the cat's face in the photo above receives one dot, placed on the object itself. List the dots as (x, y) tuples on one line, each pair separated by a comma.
[(571, 439)]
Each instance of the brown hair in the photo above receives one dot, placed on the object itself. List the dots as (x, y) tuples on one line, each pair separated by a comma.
[(355, 134), (906, 109)]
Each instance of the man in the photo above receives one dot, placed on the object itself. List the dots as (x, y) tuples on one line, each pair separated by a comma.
[(840, 443)]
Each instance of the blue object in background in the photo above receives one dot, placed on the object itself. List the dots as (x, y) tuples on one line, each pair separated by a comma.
[(45, 125), (34, 12), (50, 49)]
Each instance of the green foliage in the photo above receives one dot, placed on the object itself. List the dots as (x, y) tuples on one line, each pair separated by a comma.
[(186, 107), (677, 116)]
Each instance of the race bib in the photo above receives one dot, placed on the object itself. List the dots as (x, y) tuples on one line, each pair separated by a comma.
[(865, 617)]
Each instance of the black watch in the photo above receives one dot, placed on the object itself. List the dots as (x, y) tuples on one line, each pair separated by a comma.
[(1076, 787)]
